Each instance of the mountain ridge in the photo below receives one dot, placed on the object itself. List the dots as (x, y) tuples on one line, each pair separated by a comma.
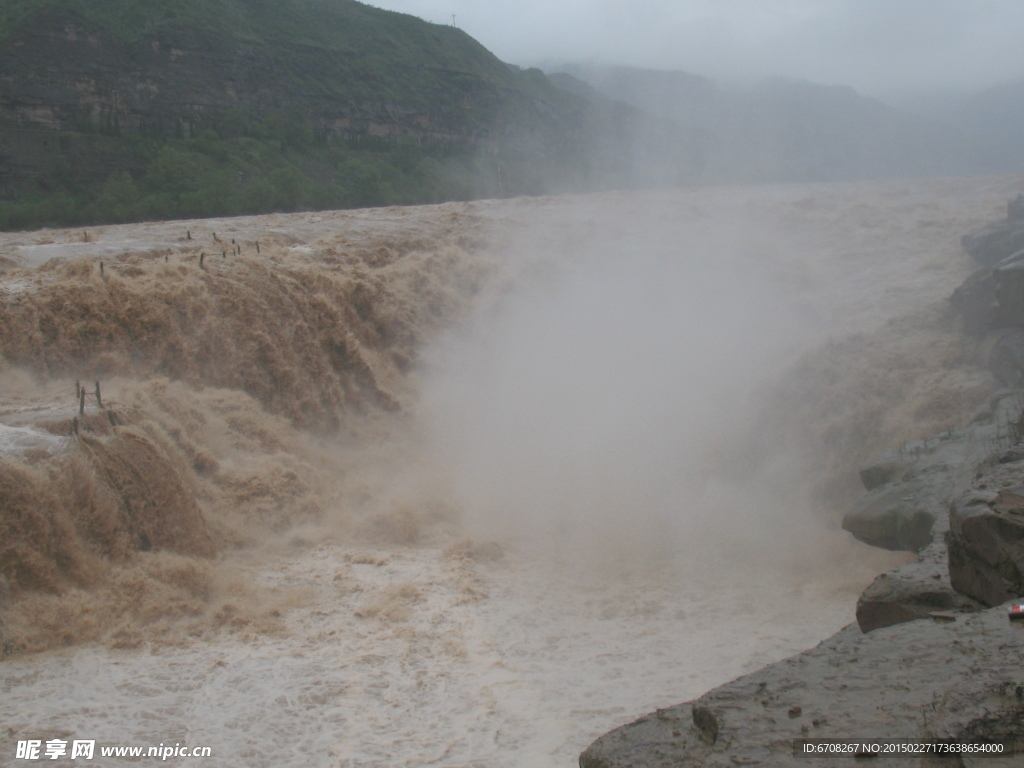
[(780, 129), (347, 104)]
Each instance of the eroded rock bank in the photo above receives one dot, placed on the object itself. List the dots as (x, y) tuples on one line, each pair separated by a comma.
[(920, 680), (935, 655)]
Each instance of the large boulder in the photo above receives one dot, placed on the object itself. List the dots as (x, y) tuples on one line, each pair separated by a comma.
[(993, 296), (1009, 286), (900, 515), (986, 541), (975, 300), (992, 243), (1004, 356), (909, 489), (918, 590)]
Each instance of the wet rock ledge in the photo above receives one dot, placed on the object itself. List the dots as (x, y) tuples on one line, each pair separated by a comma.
[(934, 655), (922, 680)]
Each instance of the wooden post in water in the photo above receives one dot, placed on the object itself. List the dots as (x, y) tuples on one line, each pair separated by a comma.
[(74, 426), (201, 257), (81, 401), (99, 400), (257, 246)]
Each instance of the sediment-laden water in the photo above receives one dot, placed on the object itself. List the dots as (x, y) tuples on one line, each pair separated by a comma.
[(459, 485)]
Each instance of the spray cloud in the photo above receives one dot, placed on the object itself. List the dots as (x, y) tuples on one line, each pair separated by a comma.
[(588, 406)]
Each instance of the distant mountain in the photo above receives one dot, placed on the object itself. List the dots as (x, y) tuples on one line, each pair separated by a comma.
[(671, 95), (993, 121), (813, 132), (989, 121), (785, 130)]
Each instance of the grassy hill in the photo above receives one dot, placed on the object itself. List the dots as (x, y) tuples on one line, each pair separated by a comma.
[(122, 110), (115, 110)]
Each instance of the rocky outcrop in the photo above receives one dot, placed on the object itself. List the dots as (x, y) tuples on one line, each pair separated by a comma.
[(959, 680), (986, 523), (911, 488), (994, 242), (993, 297), (900, 515), (918, 590), (957, 499), (941, 482), (986, 539), (1003, 355), (975, 301), (936, 666)]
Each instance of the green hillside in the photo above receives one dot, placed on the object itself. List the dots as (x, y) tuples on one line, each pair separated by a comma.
[(374, 41), (119, 110)]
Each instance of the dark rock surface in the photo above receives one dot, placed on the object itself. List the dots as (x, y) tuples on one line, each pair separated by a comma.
[(993, 297), (986, 536), (960, 679), (925, 481), (975, 301), (918, 590), (1004, 356), (900, 515), (912, 487), (996, 241)]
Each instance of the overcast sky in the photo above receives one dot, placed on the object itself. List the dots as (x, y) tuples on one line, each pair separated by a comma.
[(874, 45)]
